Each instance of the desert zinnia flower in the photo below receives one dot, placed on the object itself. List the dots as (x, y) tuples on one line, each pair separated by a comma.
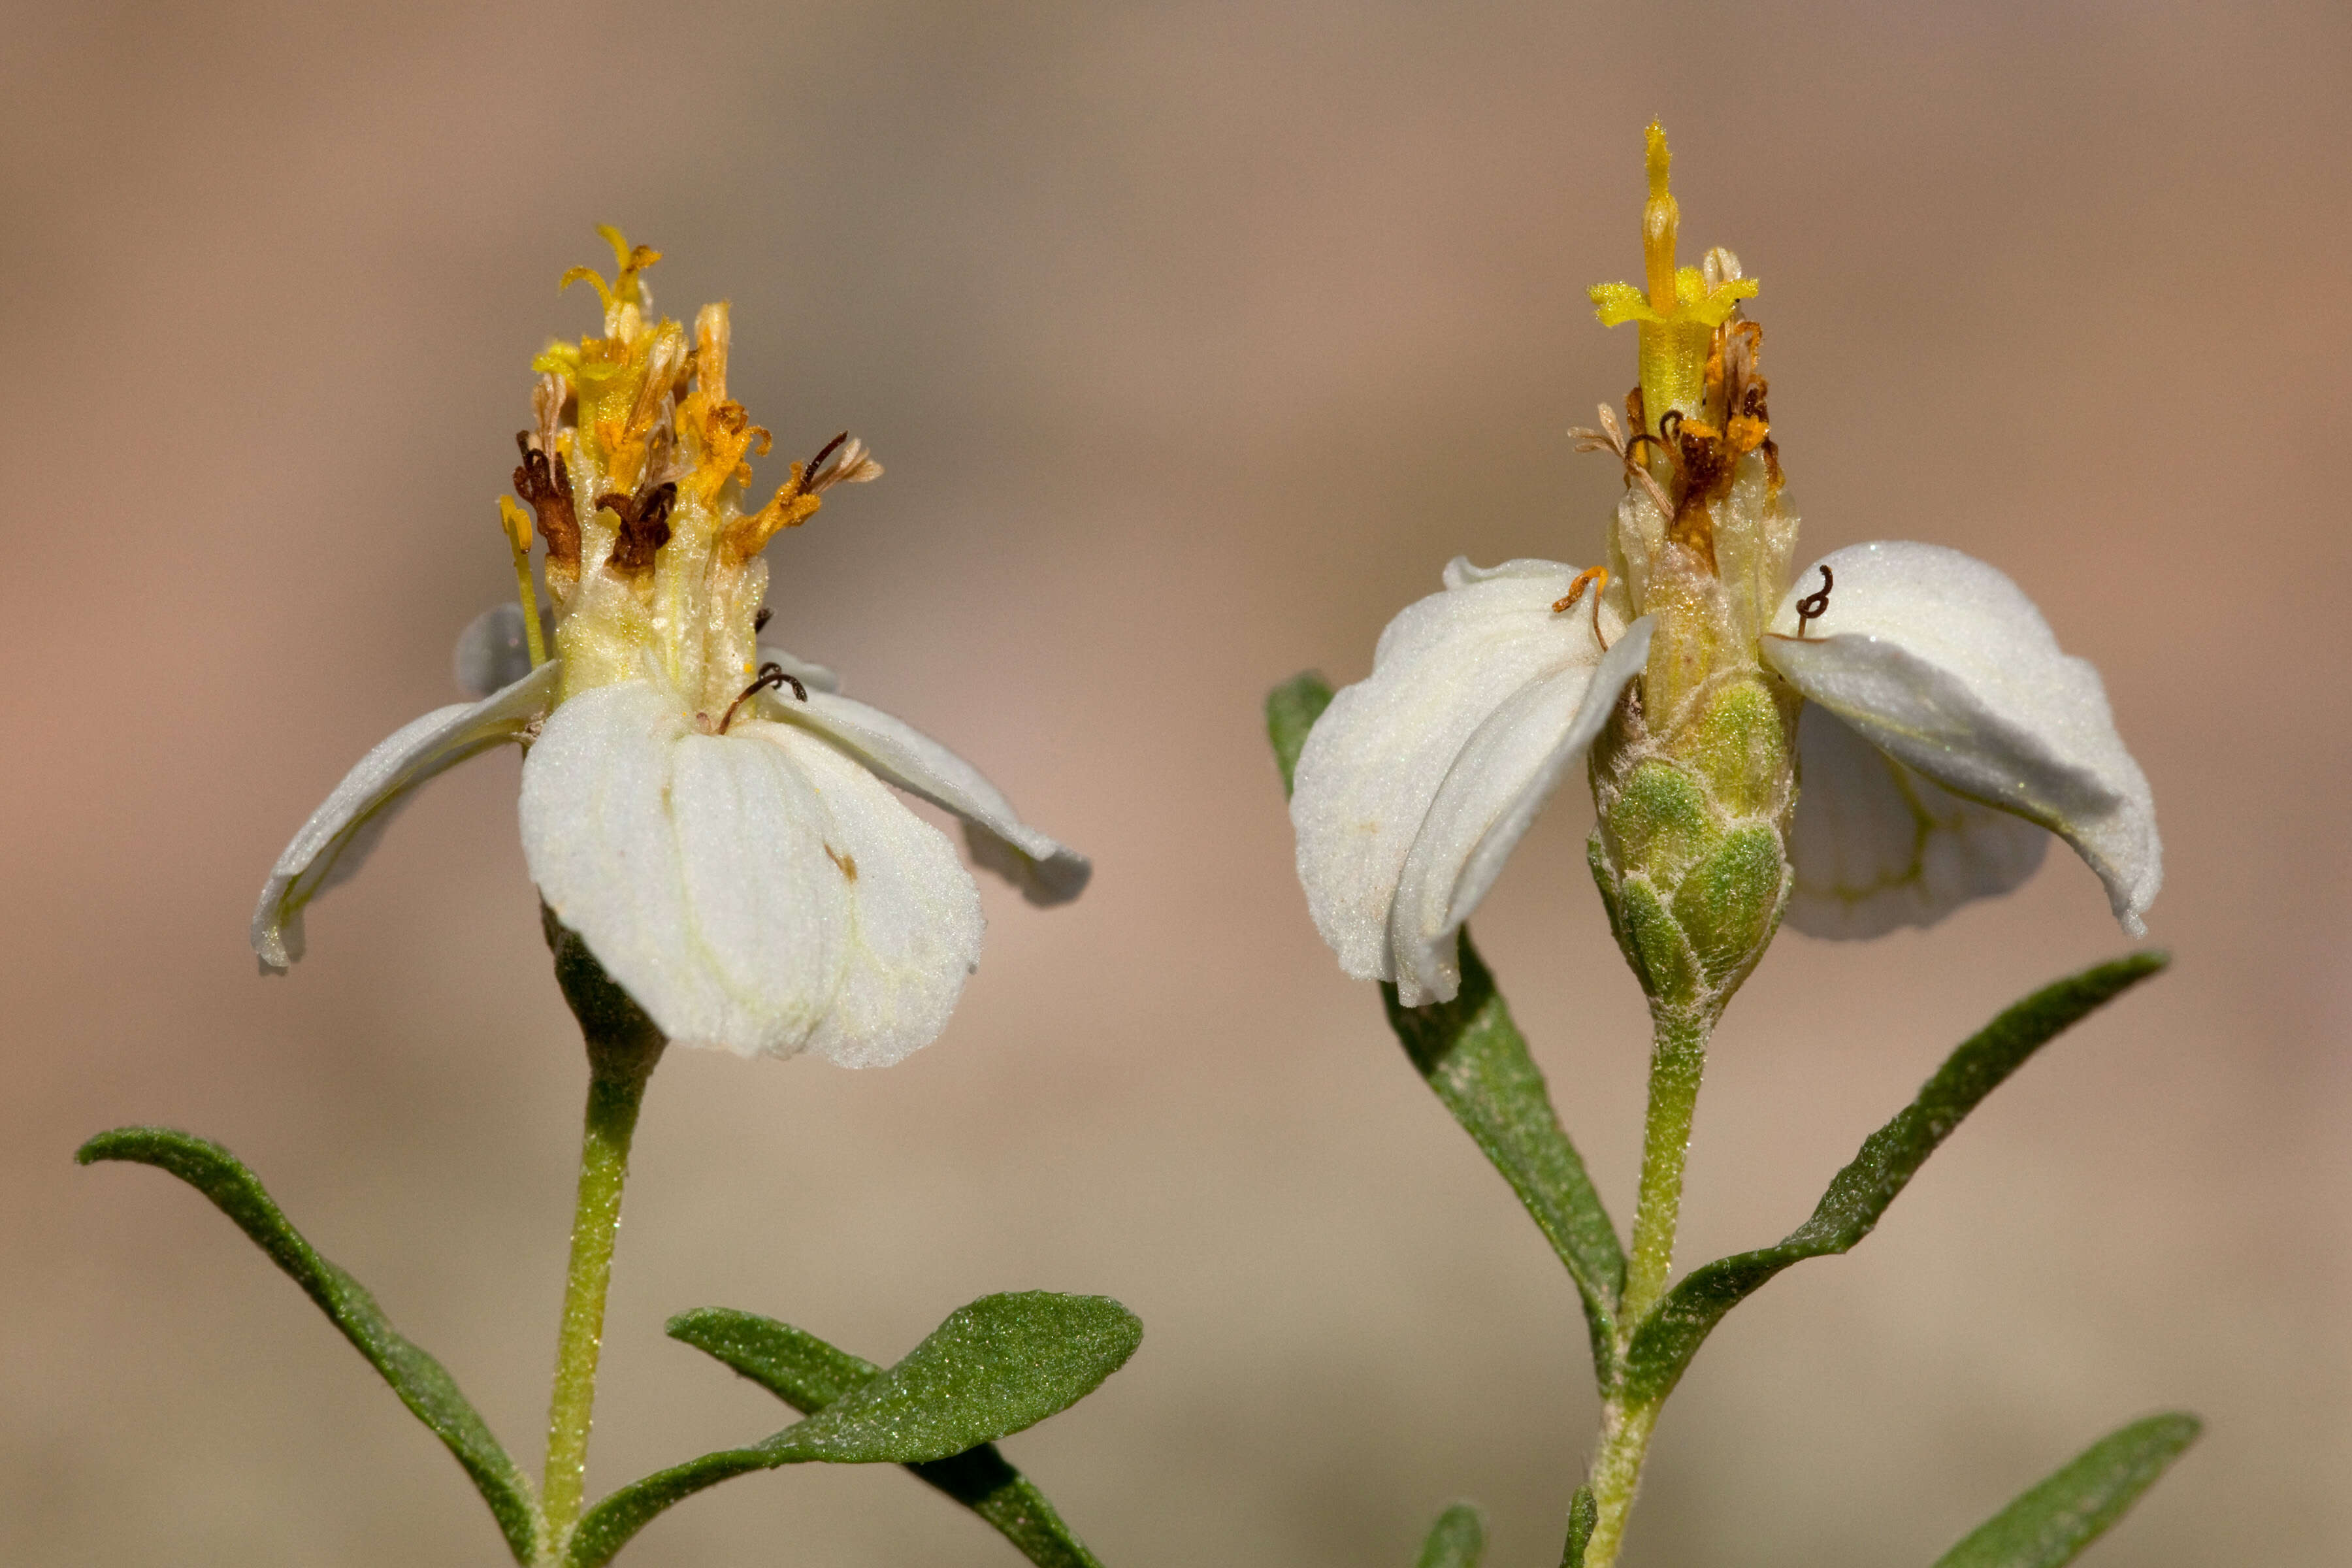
[(1940, 732), (714, 818)]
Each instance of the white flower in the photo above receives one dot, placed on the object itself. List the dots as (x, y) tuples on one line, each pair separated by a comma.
[(1944, 731), (1939, 730), (716, 824)]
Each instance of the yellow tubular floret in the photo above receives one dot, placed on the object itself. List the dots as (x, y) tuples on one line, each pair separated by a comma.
[(1676, 314)]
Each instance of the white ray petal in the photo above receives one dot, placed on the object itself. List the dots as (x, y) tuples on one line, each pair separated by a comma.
[(1045, 871), (1942, 662), (1490, 797), (914, 924), (492, 653), (340, 833), (755, 891), (1877, 845), (1376, 759)]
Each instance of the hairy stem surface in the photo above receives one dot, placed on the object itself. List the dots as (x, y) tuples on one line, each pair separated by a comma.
[(1677, 1060), (616, 1088)]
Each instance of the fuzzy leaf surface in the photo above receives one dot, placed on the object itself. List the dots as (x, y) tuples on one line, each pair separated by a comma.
[(1670, 1336), (1583, 1513), (1472, 1056), (1458, 1539), (422, 1383), (2050, 1525), (1002, 1363), (808, 1374)]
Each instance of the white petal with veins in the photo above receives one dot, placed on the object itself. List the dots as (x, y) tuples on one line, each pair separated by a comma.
[(339, 833), (1046, 872), (1876, 846), (1374, 762), (1942, 662), (1490, 797), (757, 891)]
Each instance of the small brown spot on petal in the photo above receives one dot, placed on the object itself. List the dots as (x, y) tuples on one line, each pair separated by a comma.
[(844, 863)]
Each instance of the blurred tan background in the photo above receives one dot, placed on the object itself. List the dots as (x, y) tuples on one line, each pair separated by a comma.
[(1196, 337)]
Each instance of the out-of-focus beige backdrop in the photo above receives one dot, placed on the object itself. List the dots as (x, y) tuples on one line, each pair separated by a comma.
[(1196, 337)]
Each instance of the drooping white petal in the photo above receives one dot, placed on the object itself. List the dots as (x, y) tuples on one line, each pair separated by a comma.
[(1877, 845), (1046, 872), (756, 891), (1376, 759), (815, 677), (492, 652), (1490, 797), (1942, 662), (339, 833)]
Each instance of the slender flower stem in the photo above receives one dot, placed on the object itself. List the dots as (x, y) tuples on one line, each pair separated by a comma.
[(1677, 1058), (616, 1088)]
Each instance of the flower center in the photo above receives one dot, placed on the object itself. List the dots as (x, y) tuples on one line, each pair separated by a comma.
[(634, 473)]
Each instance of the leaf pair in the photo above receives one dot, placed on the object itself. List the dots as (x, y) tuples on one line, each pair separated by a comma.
[(1001, 1365)]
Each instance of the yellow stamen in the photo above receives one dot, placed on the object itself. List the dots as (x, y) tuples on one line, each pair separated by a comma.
[(516, 524)]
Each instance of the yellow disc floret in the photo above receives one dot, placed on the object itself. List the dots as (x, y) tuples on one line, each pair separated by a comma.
[(635, 473), (1677, 315)]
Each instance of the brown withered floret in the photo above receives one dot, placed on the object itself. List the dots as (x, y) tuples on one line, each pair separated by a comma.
[(1703, 455), (544, 482), (645, 526)]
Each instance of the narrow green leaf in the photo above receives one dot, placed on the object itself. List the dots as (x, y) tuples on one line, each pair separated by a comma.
[(1291, 710), (605, 1529), (808, 1374), (1667, 1340), (1458, 1539), (2049, 1525), (1470, 1052), (997, 1366), (1001, 1365), (1583, 1513), (422, 1383)]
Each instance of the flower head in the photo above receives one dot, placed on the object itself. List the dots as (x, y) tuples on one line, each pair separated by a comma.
[(1937, 729), (713, 816)]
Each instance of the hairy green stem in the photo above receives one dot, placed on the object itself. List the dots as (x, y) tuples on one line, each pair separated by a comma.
[(615, 1090), (1677, 1060)]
